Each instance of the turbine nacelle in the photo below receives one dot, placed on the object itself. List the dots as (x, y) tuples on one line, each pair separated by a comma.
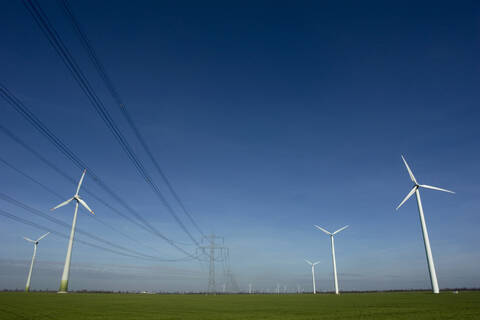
[(35, 242), (416, 185), (312, 263), (76, 197), (331, 234)]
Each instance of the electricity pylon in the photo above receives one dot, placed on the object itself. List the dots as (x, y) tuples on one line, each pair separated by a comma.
[(215, 251)]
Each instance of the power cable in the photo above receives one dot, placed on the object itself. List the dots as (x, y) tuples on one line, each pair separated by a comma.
[(121, 105), (30, 117), (39, 213), (38, 226), (98, 219), (57, 43)]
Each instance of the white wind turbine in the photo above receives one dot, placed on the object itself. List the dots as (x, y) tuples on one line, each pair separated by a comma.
[(66, 268), (428, 250), (35, 244), (313, 264), (333, 252)]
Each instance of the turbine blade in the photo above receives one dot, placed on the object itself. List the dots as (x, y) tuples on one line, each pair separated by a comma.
[(308, 262), (340, 230), (28, 239), (315, 263), (80, 182), (320, 228), (46, 234), (407, 197), (62, 204), (435, 188), (83, 203), (409, 171)]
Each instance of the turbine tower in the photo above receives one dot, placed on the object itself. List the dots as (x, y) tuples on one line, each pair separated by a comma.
[(35, 244), (313, 264), (333, 253), (428, 250), (78, 200)]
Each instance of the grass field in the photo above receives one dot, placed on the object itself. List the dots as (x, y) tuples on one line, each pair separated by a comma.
[(407, 305)]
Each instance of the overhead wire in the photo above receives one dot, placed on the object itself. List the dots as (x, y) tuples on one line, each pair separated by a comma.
[(85, 189), (43, 215), (97, 218), (122, 106), (14, 168), (54, 39), (62, 235), (36, 123), (22, 143)]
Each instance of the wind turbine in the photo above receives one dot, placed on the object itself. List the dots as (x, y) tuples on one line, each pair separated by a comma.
[(313, 264), (333, 252), (35, 244), (428, 250), (66, 268)]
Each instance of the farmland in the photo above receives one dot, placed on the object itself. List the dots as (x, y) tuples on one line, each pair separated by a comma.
[(395, 305)]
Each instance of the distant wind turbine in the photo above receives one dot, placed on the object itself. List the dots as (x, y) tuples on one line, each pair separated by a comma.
[(428, 250), (333, 252), (313, 264), (66, 268), (35, 244)]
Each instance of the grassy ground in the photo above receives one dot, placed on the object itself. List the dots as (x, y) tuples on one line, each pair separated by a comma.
[(409, 305)]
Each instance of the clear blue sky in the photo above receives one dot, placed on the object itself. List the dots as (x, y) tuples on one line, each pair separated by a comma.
[(267, 117)]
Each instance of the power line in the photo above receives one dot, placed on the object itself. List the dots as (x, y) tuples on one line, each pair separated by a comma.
[(11, 166), (38, 226), (121, 105), (22, 143), (57, 43), (39, 213), (33, 120), (97, 219)]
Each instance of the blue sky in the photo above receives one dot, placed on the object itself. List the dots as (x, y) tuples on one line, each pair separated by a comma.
[(267, 118)]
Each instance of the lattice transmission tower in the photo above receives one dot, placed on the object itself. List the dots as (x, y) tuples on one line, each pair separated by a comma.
[(215, 251)]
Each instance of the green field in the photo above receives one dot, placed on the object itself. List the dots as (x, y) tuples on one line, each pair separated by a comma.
[(407, 305)]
